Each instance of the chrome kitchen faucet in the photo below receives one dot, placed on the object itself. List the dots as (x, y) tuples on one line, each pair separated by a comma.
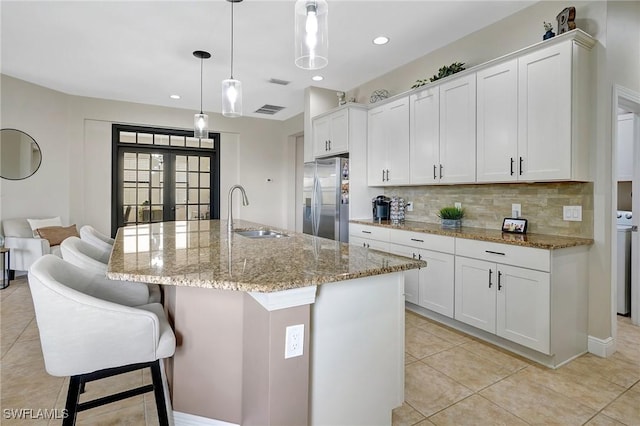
[(245, 202)]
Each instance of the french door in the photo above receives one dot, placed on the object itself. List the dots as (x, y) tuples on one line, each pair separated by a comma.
[(163, 175)]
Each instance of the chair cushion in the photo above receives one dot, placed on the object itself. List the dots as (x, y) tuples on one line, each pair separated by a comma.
[(56, 234), (41, 223), (18, 227)]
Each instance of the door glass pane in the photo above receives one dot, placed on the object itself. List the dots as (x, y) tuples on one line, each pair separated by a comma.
[(156, 196), (193, 163), (129, 195), (181, 212), (176, 140), (127, 137), (181, 195), (204, 196), (193, 196), (145, 138), (205, 164), (162, 139), (181, 163), (193, 142), (204, 180), (193, 180), (206, 143)]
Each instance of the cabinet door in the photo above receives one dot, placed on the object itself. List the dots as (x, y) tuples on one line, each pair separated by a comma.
[(475, 293), (625, 146), (339, 138), (458, 130), (424, 136), (544, 113), (397, 141), (321, 134), (523, 307), (497, 115), (436, 282), (376, 147), (412, 277)]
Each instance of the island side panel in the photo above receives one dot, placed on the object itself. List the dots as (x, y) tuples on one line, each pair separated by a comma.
[(275, 389), (207, 365), (357, 360)]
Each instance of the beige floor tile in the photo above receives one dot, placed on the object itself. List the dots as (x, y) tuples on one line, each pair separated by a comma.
[(506, 360), (406, 415), (429, 391), (614, 369), (5, 292), (626, 408), (8, 337), (27, 387), (127, 416), (30, 332), (28, 352), (112, 385), (535, 403), (588, 389), (478, 411), (602, 420), (150, 409), (408, 359), (466, 368), (414, 320), (446, 333), (419, 343)]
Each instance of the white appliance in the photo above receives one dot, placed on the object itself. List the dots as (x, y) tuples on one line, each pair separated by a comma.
[(623, 263)]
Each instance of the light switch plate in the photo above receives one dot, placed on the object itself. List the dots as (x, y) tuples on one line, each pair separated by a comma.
[(572, 213), (516, 210)]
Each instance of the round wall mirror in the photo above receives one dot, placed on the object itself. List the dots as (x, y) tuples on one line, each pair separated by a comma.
[(20, 155)]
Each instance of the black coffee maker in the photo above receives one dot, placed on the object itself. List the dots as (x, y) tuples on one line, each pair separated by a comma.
[(381, 208)]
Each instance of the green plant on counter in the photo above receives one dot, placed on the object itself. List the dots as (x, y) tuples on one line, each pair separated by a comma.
[(451, 213), (445, 71)]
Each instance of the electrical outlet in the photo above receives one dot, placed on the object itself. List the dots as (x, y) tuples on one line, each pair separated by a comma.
[(516, 210), (409, 206), (572, 213), (294, 341), (457, 205)]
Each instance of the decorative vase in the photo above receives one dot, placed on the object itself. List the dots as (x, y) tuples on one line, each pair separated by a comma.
[(451, 223), (548, 34)]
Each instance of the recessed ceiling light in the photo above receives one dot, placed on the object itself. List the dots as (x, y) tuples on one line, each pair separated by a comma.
[(175, 96), (317, 78), (381, 40)]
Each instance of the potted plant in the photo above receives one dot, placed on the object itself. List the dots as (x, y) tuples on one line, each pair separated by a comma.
[(451, 217)]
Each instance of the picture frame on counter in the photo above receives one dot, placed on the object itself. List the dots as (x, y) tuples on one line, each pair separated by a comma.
[(514, 225)]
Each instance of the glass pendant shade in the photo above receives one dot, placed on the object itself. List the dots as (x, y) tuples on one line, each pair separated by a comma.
[(200, 125), (312, 34), (231, 98)]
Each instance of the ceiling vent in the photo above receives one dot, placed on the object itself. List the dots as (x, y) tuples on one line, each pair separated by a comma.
[(278, 81), (269, 109)]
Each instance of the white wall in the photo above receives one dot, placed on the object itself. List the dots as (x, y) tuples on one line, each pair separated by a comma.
[(74, 134)]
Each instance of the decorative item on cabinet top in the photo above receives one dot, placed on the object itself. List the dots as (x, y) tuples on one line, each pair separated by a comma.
[(548, 28), (566, 19), (444, 71), (378, 95)]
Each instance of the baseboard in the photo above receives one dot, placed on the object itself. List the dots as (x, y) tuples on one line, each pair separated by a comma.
[(184, 419), (601, 347)]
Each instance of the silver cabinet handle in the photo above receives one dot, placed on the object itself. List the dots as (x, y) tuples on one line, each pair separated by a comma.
[(383, 175), (329, 144), (387, 175)]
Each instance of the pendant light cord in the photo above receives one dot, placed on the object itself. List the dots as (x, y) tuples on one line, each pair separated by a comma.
[(232, 39), (201, 61)]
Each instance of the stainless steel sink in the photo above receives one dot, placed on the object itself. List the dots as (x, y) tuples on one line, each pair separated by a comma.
[(260, 233)]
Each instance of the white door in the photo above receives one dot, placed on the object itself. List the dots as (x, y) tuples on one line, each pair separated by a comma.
[(437, 282), (412, 277), (321, 134), (376, 147), (397, 141), (544, 114), (475, 293), (523, 307), (497, 114), (635, 235), (339, 139), (458, 130), (424, 136)]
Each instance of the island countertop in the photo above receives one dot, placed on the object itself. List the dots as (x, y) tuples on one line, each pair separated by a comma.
[(541, 241), (201, 254)]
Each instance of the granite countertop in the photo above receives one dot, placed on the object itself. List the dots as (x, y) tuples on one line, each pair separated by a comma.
[(200, 254), (542, 241)]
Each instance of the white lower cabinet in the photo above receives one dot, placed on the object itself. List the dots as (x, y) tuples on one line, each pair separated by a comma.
[(505, 300)]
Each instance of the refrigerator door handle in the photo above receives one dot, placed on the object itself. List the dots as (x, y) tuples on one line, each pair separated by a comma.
[(317, 206), (313, 207)]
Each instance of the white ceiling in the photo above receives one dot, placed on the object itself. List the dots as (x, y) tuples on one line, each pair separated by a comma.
[(141, 51)]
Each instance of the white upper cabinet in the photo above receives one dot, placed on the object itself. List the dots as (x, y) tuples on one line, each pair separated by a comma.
[(424, 134), (554, 126), (625, 146), (388, 144), (458, 130), (497, 115), (443, 133), (331, 134)]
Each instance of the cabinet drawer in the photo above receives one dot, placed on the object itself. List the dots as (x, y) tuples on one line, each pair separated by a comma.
[(370, 244), (525, 257), (370, 232), (422, 240)]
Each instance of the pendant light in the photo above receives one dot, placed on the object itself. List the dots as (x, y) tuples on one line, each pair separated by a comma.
[(312, 34), (232, 88), (201, 121)]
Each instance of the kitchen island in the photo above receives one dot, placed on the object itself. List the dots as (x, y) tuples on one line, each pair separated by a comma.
[(231, 300)]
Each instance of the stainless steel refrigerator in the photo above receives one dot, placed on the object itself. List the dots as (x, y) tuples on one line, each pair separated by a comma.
[(326, 198)]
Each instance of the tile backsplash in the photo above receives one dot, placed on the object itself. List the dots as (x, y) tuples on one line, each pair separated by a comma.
[(486, 205)]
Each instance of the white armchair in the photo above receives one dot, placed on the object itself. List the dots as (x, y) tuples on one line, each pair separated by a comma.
[(89, 337), (25, 248), (91, 235)]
